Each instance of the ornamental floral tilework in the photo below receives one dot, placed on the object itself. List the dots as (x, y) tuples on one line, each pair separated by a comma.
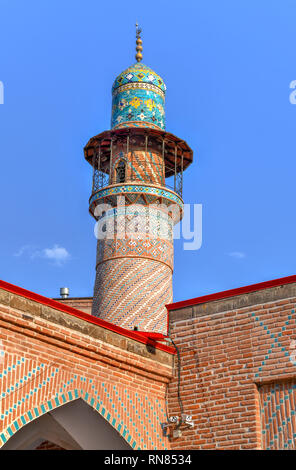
[(138, 105)]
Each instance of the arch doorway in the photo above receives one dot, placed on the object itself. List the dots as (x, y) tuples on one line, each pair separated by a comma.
[(73, 426)]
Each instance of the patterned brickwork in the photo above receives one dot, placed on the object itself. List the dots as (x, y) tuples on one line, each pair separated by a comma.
[(136, 231), (228, 349), (133, 292), (278, 419), (134, 272), (135, 253), (46, 364), (118, 406), (159, 250), (142, 167), (139, 220)]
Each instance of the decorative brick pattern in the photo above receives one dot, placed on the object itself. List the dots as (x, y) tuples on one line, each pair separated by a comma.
[(135, 250), (142, 167), (228, 349), (136, 231), (159, 250), (46, 365), (278, 419), (133, 292)]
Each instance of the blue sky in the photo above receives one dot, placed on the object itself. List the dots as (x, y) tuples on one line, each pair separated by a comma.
[(227, 66)]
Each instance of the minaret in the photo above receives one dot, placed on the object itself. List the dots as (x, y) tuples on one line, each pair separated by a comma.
[(130, 163)]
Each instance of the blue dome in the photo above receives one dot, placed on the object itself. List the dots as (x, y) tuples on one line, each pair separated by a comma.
[(139, 73), (138, 98)]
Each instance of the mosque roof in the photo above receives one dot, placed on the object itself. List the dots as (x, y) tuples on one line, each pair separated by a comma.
[(150, 339), (232, 292)]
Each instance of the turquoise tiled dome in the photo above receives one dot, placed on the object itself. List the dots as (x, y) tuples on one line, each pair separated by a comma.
[(139, 73), (138, 95)]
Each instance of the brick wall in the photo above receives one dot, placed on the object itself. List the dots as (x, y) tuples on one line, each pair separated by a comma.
[(49, 357), (140, 166), (238, 370), (81, 303)]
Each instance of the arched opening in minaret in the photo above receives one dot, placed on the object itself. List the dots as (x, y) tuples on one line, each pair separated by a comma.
[(120, 172)]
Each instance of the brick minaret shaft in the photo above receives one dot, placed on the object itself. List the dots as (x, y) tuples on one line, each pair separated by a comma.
[(134, 264)]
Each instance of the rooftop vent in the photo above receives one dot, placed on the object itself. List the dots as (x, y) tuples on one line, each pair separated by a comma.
[(64, 292)]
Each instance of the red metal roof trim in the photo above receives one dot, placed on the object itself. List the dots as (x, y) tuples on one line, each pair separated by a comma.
[(232, 292), (152, 335), (136, 335)]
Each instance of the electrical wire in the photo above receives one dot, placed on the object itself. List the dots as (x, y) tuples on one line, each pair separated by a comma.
[(179, 381)]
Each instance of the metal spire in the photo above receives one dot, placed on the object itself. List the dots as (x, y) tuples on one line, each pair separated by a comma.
[(139, 47)]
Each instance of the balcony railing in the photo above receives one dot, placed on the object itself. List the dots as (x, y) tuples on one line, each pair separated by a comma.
[(101, 180), (168, 156)]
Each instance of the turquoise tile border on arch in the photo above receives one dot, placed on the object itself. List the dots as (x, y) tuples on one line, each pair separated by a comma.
[(116, 412), (62, 399)]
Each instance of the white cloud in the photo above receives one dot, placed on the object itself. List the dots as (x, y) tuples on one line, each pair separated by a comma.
[(237, 254), (57, 254)]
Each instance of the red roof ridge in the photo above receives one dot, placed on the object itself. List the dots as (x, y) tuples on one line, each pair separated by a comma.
[(136, 335), (232, 292)]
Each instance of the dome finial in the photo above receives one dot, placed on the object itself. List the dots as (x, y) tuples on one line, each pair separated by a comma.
[(139, 47)]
